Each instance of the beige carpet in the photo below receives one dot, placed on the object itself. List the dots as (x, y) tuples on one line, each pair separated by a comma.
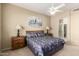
[(68, 50)]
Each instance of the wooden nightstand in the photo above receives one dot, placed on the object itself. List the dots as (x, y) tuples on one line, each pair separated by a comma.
[(49, 34), (18, 42)]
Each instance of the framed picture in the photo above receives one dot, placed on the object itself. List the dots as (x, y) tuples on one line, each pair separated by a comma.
[(34, 21)]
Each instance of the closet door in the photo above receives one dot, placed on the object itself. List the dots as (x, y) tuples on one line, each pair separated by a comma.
[(75, 27)]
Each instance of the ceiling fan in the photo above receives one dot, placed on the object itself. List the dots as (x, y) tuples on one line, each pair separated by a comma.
[(52, 10)]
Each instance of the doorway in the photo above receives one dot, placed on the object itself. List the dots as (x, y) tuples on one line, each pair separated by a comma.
[(63, 28)]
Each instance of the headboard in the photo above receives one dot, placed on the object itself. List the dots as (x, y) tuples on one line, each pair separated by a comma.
[(34, 30), (34, 33)]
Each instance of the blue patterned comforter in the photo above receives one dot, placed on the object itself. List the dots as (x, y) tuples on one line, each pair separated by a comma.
[(42, 45)]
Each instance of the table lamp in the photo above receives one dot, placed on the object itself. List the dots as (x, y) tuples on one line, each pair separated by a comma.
[(18, 27), (47, 28)]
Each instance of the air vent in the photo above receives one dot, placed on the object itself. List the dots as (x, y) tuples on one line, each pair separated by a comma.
[(77, 9)]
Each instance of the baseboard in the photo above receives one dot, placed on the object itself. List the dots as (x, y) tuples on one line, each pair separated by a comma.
[(75, 43), (5, 49)]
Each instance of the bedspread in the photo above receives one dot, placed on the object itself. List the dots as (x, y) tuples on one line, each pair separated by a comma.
[(42, 45)]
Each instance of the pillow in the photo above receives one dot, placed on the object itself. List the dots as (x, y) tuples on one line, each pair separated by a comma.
[(31, 34), (35, 34), (39, 34)]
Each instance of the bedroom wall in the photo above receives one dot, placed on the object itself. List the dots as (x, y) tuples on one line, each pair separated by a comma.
[(55, 24), (0, 26), (13, 15)]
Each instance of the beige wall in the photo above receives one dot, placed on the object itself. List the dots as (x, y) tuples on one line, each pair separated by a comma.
[(55, 24), (13, 15), (0, 26), (75, 27)]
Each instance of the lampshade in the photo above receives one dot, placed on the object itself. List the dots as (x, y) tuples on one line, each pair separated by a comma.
[(47, 28), (18, 26)]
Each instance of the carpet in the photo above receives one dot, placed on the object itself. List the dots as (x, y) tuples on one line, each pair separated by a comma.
[(68, 50)]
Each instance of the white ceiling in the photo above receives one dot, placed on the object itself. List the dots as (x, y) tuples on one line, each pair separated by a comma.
[(43, 7)]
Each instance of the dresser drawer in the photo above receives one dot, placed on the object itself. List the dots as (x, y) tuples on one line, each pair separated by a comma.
[(18, 42)]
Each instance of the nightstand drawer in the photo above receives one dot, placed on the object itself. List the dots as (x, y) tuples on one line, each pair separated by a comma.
[(20, 41), (21, 45)]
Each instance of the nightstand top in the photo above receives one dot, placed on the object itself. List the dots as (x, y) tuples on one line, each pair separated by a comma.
[(17, 36)]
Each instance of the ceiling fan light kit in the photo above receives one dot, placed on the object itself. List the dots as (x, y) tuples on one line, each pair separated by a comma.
[(52, 10)]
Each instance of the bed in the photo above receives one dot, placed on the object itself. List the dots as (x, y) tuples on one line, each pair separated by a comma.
[(42, 45)]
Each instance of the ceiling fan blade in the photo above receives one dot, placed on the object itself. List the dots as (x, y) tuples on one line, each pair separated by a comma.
[(60, 6), (53, 12), (58, 10)]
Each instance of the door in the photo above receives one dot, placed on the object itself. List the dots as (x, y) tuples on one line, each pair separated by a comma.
[(63, 28), (75, 27)]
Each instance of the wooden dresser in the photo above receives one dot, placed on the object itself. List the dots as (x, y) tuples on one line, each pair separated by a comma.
[(18, 42)]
